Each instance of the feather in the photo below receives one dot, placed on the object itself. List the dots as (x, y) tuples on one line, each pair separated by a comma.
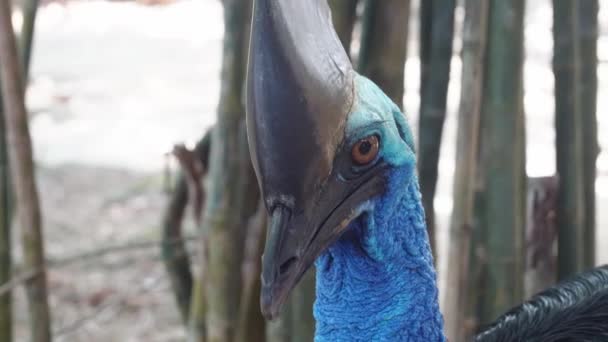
[(574, 310)]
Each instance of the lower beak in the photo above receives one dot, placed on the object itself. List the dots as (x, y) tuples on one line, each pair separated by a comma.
[(288, 256), (275, 265)]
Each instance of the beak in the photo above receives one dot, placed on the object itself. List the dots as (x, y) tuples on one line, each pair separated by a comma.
[(294, 241)]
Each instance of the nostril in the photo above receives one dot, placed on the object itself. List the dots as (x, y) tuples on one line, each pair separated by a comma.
[(287, 265)]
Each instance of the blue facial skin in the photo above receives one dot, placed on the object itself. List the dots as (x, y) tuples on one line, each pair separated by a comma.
[(377, 283)]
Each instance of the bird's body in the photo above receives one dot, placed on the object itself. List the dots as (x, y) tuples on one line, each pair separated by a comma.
[(574, 310), (336, 164)]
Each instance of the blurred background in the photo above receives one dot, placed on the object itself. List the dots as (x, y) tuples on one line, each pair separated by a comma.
[(120, 96)]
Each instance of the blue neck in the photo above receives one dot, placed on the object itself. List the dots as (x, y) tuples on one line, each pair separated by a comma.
[(377, 283)]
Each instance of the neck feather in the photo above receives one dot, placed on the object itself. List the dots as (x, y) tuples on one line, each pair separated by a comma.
[(378, 283)]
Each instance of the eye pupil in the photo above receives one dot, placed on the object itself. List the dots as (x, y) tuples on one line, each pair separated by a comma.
[(365, 147)]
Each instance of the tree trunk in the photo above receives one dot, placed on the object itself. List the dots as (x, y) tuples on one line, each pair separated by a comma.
[(587, 40), (227, 190), (436, 56), (568, 134), (504, 159), (22, 170), (465, 169), (344, 15), (383, 45)]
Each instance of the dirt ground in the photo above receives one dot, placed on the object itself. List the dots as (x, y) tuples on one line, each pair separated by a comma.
[(115, 84), (101, 290)]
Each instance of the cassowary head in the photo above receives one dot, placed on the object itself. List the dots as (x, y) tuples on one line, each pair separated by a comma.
[(323, 140)]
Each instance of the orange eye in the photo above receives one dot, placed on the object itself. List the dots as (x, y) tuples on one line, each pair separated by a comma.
[(365, 150)]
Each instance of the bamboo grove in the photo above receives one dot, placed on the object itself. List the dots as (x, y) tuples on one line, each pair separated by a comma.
[(502, 228)]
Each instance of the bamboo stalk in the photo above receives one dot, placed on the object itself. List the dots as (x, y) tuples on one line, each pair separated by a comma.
[(253, 222), (296, 323), (197, 325), (279, 329), (436, 56), (22, 169), (303, 297), (6, 329), (504, 159), (568, 131), (477, 253), (224, 209), (6, 316), (344, 15), (424, 39), (383, 45), (252, 326), (587, 40), (26, 38), (465, 168)]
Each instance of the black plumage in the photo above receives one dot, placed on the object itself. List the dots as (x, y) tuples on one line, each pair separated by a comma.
[(574, 310)]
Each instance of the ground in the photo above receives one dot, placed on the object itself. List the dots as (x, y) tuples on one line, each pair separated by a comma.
[(115, 84)]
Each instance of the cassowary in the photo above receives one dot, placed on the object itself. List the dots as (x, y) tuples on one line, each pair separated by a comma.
[(335, 162)]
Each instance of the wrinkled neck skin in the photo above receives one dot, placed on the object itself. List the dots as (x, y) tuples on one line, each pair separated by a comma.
[(378, 283)]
